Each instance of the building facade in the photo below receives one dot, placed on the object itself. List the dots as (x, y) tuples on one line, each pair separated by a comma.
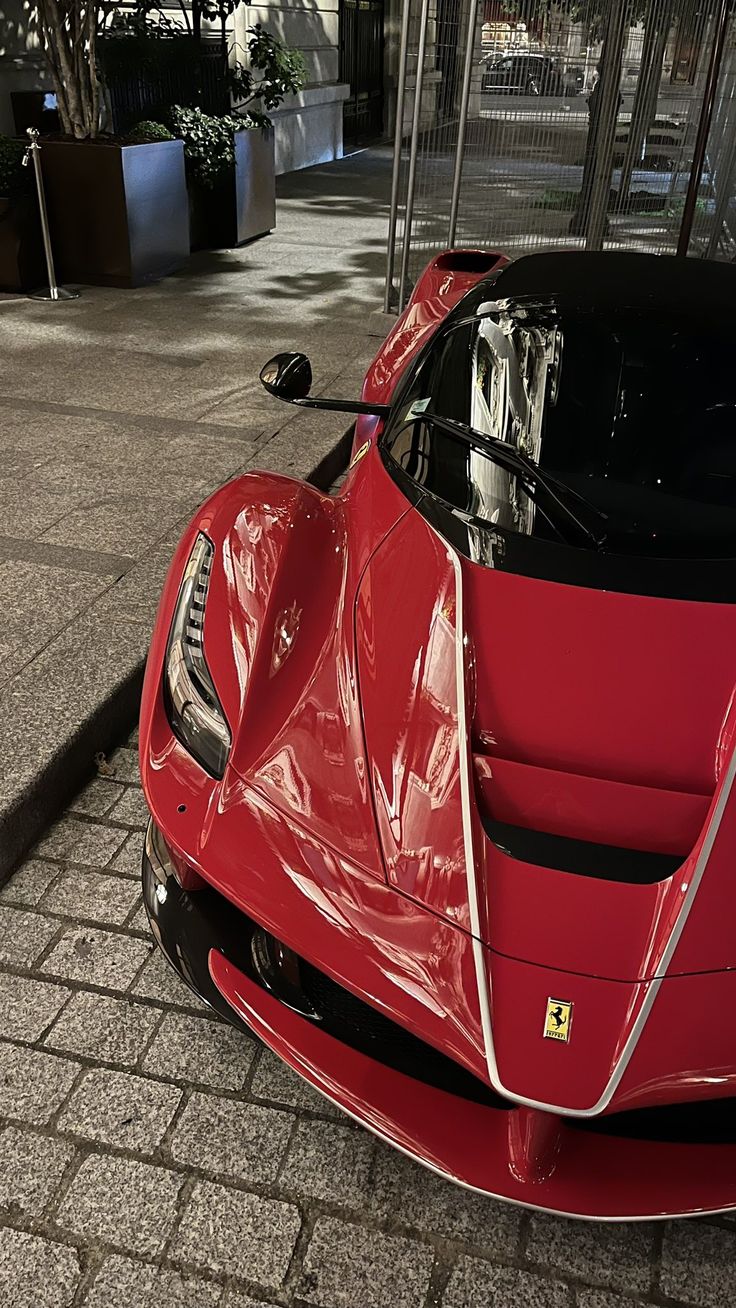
[(308, 126)]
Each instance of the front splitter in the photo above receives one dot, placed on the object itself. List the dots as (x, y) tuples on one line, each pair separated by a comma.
[(580, 1174)]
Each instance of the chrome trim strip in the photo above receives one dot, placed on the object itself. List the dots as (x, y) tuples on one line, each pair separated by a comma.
[(449, 1176), (478, 948), (157, 853), (492, 1194)]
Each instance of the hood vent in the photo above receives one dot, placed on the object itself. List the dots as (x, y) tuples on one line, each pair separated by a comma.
[(582, 857)]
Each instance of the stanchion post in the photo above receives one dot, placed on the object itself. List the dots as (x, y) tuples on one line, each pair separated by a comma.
[(52, 292)]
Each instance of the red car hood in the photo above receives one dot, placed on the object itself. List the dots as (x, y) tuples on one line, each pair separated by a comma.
[(595, 718), (596, 721)]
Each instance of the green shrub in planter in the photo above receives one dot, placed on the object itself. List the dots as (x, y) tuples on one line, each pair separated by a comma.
[(230, 176), (209, 142), (146, 131)]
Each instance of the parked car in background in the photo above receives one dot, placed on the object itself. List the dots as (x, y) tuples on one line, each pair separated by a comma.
[(574, 79), (662, 148), (631, 72), (529, 74)]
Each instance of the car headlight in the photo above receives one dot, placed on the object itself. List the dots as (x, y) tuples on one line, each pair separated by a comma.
[(193, 708)]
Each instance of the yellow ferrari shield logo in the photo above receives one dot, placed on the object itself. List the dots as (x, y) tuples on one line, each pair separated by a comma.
[(359, 454), (558, 1021)]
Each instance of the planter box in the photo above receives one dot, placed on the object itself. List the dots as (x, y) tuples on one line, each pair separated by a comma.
[(118, 214), (22, 265), (241, 206)]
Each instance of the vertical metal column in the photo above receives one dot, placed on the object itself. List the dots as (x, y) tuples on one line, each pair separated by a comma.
[(701, 141), (52, 292), (657, 22), (398, 139), (463, 123), (723, 178), (595, 219), (413, 151)]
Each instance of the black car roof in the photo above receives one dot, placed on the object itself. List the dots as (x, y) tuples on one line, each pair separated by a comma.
[(577, 279)]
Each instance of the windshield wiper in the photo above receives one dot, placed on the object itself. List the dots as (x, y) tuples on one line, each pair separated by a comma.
[(529, 473)]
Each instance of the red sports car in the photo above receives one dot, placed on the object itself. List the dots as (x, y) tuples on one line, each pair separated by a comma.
[(440, 767)]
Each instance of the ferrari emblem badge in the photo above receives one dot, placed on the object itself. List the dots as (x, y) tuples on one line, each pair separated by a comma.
[(359, 454), (558, 1021), (285, 633)]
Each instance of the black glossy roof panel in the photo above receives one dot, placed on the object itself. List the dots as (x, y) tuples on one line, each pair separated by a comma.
[(576, 278)]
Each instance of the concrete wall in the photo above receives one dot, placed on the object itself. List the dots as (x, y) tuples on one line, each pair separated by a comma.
[(432, 77), (308, 126)]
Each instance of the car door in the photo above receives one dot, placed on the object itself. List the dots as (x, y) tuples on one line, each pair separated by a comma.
[(501, 76), (519, 75)]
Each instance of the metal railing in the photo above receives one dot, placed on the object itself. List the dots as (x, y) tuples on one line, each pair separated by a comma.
[(166, 71), (537, 132)]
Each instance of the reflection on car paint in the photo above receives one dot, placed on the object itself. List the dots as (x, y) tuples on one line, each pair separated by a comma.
[(351, 637)]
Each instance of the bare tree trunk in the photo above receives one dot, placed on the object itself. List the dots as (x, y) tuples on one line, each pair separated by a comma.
[(68, 32)]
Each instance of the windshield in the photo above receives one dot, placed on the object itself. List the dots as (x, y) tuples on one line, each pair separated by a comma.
[(633, 410)]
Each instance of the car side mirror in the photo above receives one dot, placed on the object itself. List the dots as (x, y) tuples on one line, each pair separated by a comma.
[(288, 376)]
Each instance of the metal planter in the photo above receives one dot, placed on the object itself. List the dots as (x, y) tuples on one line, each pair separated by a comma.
[(21, 251), (118, 213), (243, 205)]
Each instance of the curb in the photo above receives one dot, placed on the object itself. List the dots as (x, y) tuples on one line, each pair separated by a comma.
[(24, 820), (54, 786)]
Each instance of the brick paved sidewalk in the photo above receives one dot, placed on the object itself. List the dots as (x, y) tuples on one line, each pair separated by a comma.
[(152, 1157)]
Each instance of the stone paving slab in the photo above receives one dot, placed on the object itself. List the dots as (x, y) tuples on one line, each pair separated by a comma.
[(119, 413), (153, 1155)]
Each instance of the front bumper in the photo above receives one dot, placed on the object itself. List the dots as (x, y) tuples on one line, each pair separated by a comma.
[(420, 1101)]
